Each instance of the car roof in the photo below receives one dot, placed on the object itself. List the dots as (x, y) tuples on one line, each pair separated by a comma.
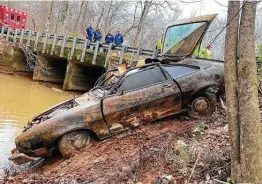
[(201, 63)]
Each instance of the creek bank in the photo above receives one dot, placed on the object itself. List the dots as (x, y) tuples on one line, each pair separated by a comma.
[(158, 152)]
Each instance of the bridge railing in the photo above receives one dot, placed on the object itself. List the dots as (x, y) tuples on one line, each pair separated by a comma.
[(19, 35)]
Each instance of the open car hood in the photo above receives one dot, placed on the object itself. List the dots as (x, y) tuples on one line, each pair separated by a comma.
[(183, 37), (62, 107)]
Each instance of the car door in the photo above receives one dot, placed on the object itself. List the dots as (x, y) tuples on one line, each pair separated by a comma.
[(142, 97)]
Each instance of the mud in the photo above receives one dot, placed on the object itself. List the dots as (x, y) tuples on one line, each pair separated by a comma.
[(146, 154)]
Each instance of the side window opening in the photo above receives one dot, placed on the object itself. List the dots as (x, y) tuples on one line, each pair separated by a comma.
[(18, 18), (142, 79), (12, 16)]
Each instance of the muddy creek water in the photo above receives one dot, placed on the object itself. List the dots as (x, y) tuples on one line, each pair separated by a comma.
[(20, 100)]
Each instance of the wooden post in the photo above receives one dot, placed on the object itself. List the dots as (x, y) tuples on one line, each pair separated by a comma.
[(95, 53), (108, 55), (84, 50), (29, 38), (14, 38), (36, 41), (22, 36), (63, 47), (8, 32), (122, 52), (44, 45), (73, 49), (53, 45)]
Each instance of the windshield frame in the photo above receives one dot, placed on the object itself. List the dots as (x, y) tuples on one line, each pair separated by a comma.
[(197, 43)]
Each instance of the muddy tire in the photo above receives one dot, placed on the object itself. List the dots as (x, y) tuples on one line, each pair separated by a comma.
[(202, 105), (73, 142)]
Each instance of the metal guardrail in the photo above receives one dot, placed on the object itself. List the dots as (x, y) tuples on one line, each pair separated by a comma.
[(19, 34)]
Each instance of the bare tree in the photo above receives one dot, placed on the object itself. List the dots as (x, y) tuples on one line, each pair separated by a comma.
[(231, 78), (48, 21), (250, 128), (242, 95)]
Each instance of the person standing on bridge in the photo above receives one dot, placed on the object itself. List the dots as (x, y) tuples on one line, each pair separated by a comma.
[(109, 39), (90, 33), (97, 35), (118, 39)]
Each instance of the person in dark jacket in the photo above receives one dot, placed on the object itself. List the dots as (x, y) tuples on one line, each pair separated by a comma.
[(90, 33), (97, 35), (118, 39), (108, 39)]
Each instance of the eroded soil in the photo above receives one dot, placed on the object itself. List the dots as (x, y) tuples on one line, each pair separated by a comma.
[(161, 152)]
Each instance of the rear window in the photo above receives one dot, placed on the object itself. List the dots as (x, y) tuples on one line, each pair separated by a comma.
[(180, 71)]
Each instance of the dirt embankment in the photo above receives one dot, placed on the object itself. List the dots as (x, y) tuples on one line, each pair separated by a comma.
[(174, 149)]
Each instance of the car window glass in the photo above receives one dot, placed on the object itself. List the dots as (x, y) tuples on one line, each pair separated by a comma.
[(18, 18), (141, 79), (12, 16), (179, 71)]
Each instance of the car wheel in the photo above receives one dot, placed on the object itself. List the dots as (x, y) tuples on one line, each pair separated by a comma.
[(202, 105), (73, 142)]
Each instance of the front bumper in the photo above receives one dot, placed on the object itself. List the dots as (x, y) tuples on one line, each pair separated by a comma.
[(21, 158)]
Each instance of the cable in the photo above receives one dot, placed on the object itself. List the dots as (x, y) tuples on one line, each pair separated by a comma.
[(225, 26)]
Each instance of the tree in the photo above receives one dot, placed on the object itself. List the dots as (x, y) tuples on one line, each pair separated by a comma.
[(250, 128), (231, 79), (242, 95), (49, 15)]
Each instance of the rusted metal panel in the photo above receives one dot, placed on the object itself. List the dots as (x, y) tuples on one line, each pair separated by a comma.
[(140, 106), (86, 115)]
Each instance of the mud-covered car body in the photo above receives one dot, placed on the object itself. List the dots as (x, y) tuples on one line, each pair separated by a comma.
[(139, 96)]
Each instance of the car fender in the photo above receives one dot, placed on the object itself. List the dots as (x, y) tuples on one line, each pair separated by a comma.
[(78, 118), (200, 87)]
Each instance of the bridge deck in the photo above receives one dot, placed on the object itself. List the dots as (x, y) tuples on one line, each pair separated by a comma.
[(63, 59)]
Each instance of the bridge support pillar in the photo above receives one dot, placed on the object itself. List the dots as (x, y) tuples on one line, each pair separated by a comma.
[(50, 68), (81, 76), (12, 57)]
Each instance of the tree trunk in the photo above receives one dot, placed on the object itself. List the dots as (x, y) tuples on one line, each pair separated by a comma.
[(48, 21), (231, 86), (78, 17), (145, 10), (100, 16), (250, 127)]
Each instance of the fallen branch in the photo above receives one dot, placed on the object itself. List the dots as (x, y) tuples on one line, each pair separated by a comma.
[(219, 181), (193, 169)]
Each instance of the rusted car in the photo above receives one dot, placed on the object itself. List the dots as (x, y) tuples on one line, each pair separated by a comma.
[(139, 96)]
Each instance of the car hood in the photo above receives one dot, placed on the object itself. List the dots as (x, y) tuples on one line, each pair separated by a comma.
[(62, 107)]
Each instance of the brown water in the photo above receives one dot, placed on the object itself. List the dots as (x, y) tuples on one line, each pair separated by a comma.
[(20, 100)]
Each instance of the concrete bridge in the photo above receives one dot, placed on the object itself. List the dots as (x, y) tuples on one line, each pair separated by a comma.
[(76, 63)]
